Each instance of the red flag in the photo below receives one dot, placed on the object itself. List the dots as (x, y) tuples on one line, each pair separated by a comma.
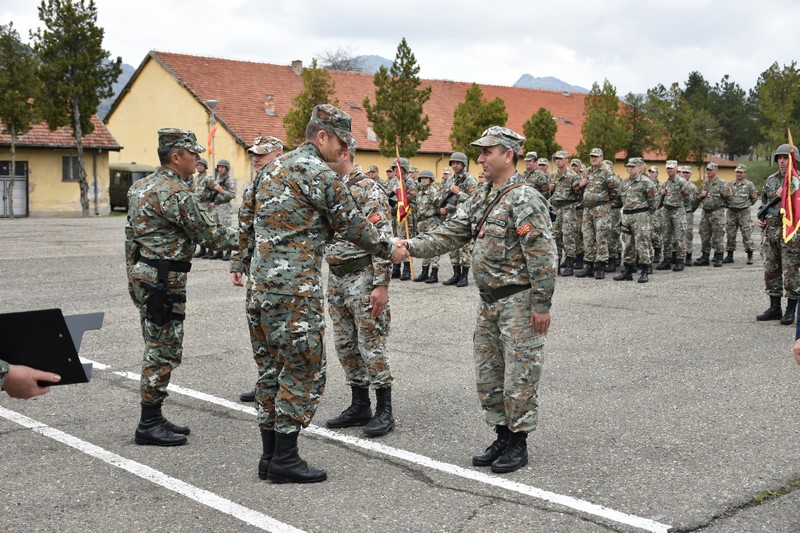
[(211, 140), (790, 196), (403, 207)]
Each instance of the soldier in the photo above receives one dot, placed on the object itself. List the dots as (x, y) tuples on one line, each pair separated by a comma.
[(428, 219), (743, 195), (656, 220), (599, 186), (403, 169), (714, 195), (638, 202), (565, 198), (456, 190), (534, 177), (781, 259), (674, 193), (690, 204), (614, 239), (392, 194), (374, 175), (265, 148), (200, 184), (446, 174), (515, 267), (165, 221), (220, 202), (543, 164), (300, 201)]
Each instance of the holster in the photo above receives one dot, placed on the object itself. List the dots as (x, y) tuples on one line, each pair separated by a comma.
[(161, 301)]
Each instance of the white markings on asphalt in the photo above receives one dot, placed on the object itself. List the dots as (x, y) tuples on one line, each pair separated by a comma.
[(209, 499), (560, 499)]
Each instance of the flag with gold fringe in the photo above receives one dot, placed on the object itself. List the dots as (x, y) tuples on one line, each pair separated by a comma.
[(790, 196)]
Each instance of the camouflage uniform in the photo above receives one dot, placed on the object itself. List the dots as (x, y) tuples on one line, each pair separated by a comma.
[(566, 197), (203, 186), (428, 217), (638, 202), (299, 202), (467, 184), (743, 195), (3, 372), (514, 247), (657, 220), (781, 259), (712, 223), (412, 187), (222, 201), (675, 192), (360, 339), (602, 187), (539, 181), (690, 206)]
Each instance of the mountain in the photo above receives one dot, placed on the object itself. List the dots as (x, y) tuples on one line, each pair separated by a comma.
[(105, 105), (548, 83), (372, 63)]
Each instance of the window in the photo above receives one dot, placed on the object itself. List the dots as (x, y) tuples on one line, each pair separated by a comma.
[(21, 171), (70, 169)]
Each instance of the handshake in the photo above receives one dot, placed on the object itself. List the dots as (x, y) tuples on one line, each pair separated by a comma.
[(400, 254)]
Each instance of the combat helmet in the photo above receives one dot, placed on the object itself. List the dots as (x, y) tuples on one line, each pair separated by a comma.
[(426, 174), (460, 157), (224, 163), (784, 150), (203, 162)]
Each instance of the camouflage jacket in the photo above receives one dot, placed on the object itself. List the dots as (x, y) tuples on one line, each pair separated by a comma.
[(539, 181), (675, 191), (515, 246), (165, 221), (374, 204), (690, 202), (567, 188), (718, 193), (466, 184), (299, 203), (602, 187), (743, 194), (240, 259), (3, 373), (228, 189), (428, 199), (771, 186), (639, 193), (203, 185)]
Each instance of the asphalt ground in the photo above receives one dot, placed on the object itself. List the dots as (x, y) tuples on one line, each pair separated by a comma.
[(663, 405)]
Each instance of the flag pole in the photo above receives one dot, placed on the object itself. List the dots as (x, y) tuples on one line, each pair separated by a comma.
[(407, 208)]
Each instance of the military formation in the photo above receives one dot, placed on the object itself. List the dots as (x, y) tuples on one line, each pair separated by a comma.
[(516, 232)]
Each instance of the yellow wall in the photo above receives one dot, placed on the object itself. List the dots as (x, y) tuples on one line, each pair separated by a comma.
[(48, 194)]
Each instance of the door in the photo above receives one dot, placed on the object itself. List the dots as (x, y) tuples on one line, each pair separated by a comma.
[(20, 196)]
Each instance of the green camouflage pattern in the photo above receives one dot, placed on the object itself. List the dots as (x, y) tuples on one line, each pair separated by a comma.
[(712, 222), (539, 181), (428, 217), (176, 138), (601, 188), (743, 194), (740, 221), (222, 201), (461, 256), (638, 192), (566, 196), (3, 372)]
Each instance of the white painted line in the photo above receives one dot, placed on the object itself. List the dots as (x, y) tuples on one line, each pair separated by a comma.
[(566, 501), (202, 496)]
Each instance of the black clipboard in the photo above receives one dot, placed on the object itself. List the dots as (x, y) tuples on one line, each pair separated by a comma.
[(47, 340)]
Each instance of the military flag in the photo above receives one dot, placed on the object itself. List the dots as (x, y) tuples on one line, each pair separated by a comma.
[(403, 206), (211, 140), (790, 196)]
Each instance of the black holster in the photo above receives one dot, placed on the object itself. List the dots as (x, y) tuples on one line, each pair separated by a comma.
[(161, 301)]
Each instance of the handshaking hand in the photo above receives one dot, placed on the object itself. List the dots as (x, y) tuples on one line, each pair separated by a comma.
[(400, 254)]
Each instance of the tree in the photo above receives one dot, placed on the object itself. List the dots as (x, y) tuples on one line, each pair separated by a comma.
[(540, 133), (471, 118), (18, 92), (735, 114), (341, 59), (705, 135), (397, 115), (74, 70), (638, 130), (318, 88), (602, 127), (669, 114), (697, 91), (777, 103)]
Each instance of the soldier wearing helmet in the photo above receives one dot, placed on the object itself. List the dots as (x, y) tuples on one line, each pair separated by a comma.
[(202, 184), (402, 167), (428, 219), (457, 189), (220, 201)]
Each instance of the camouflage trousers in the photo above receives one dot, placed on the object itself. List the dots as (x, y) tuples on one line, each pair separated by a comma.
[(615, 240), (252, 310), (567, 230), (425, 225), (689, 231), (636, 238), (360, 339), (462, 256), (781, 261), (223, 214), (292, 373), (596, 226), (712, 231), (657, 228), (508, 356), (740, 221), (163, 345), (674, 232)]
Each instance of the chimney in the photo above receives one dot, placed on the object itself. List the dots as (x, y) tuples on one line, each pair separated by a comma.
[(297, 66), (269, 105)]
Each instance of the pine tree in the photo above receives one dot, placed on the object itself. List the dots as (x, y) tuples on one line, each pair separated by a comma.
[(74, 70), (471, 118), (318, 88), (397, 116), (540, 133), (638, 130), (602, 127)]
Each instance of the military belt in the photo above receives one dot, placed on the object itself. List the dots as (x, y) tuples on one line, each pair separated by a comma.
[(174, 266), (350, 266), (672, 207), (491, 296), (774, 221), (634, 211), (711, 209), (738, 209)]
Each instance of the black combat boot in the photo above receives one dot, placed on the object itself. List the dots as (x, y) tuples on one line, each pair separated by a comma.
[(463, 281), (456, 276), (626, 275), (568, 270), (729, 257), (209, 254), (643, 278), (359, 412), (749, 257), (788, 316), (495, 449), (227, 256), (674, 257), (286, 466), (613, 263), (666, 264), (201, 252), (586, 272), (718, 259), (152, 428), (383, 421), (515, 456), (424, 274), (563, 263), (579, 262), (702, 261), (267, 451), (599, 270), (689, 259), (434, 277), (249, 396), (656, 255), (217, 255), (774, 310), (396, 271), (678, 266), (406, 275)]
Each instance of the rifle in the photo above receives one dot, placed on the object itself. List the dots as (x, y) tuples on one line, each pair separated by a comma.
[(761, 214), (450, 197)]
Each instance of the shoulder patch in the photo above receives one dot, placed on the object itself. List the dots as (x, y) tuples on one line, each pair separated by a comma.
[(524, 230), (375, 218), (471, 189)]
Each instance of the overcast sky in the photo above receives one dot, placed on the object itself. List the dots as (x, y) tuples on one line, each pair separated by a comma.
[(634, 44)]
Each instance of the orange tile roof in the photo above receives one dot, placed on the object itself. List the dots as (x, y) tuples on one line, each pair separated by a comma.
[(39, 136)]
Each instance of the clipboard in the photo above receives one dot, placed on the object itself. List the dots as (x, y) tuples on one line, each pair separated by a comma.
[(47, 340)]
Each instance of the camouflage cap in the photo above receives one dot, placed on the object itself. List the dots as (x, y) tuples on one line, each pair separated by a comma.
[(633, 162), (542, 161), (741, 168), (671, 163), (561, 154), (447, 171), (575, 162), (203, 162), (684, 168), (372, 168), (653, 169), (265, 144), (498, 135), (426, 174), (596, 152), (175, 138), (640, 162), (711, 166), (413, 169), (531, 156), (390, 168), (334, 119)]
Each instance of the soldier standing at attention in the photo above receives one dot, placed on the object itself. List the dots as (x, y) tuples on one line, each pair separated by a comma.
[(714, 195), (374, 175), (674, 192), (428, 219), (355, 277), (456, 190), (656, 220), (221, 201), (566, 195), (300, 201), (638, 201), (403, 169), (599, 186), (515, 267), (614, 239), (534, 177), (690, 204), (200, 184), (165, 221), (743, 195), (265, 148)]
